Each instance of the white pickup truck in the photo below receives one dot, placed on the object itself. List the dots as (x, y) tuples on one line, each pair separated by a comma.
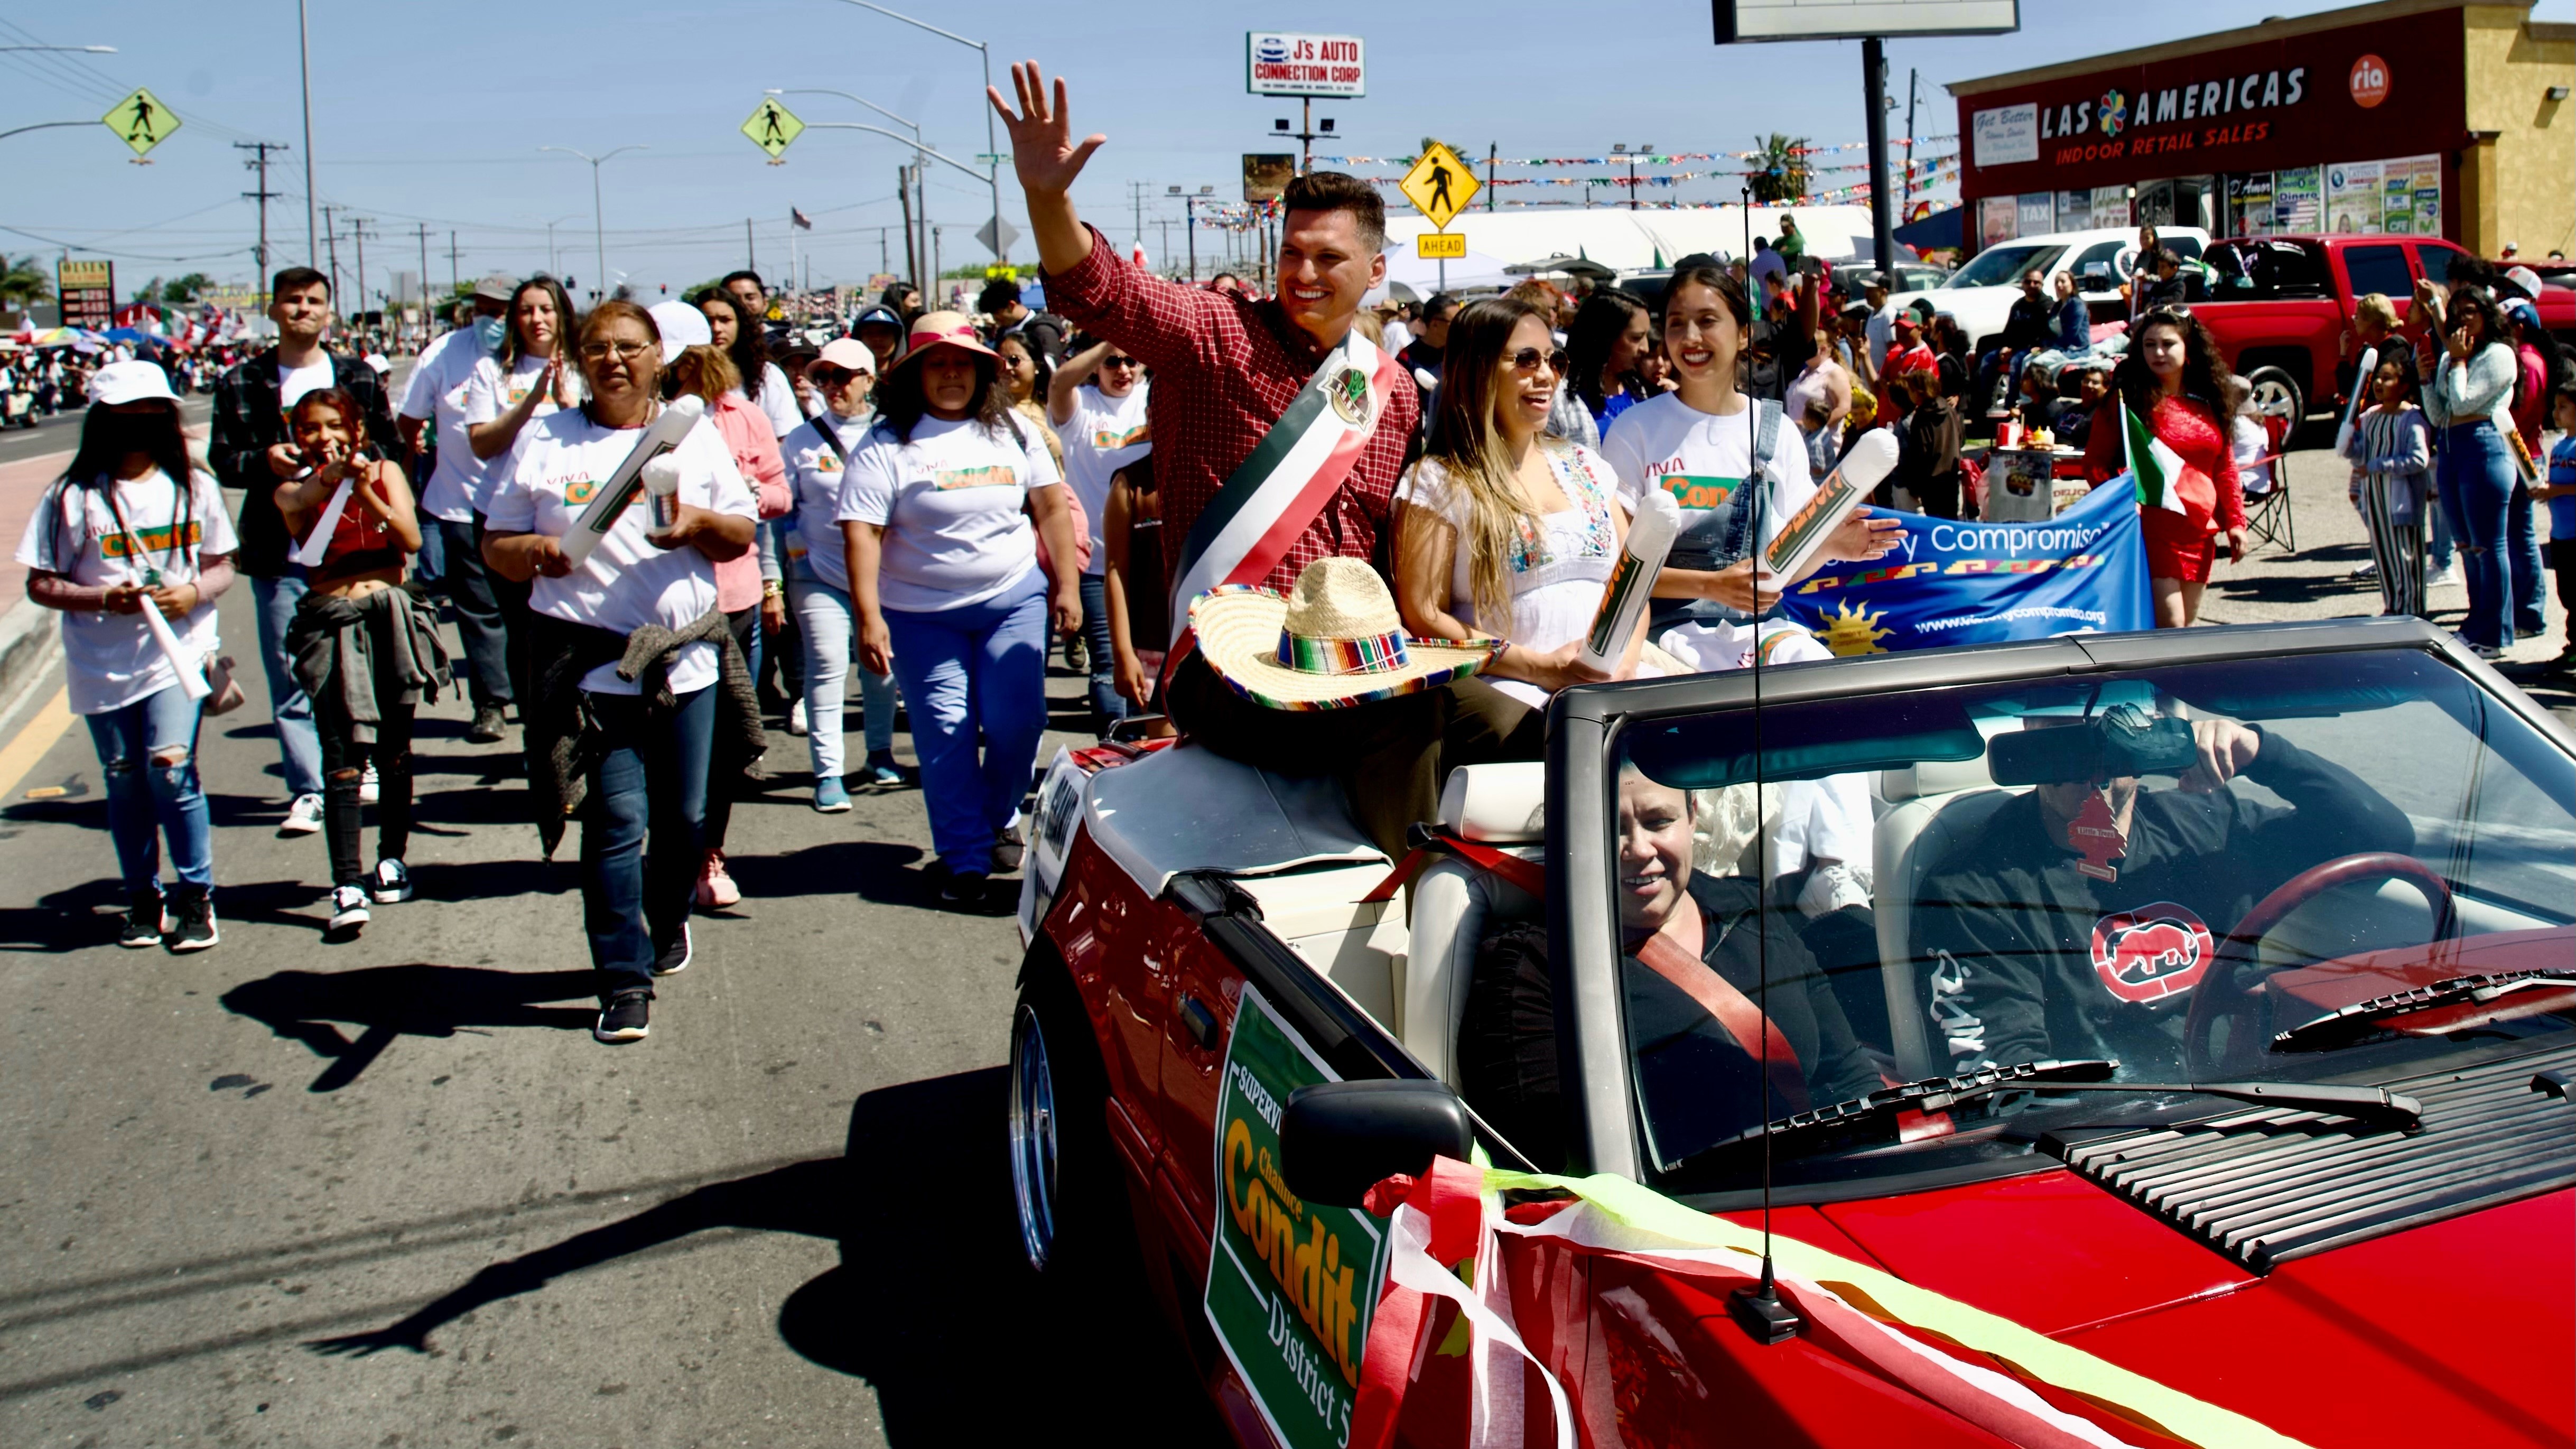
[(1981, 293)]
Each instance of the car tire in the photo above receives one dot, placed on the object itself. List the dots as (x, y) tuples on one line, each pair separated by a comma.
[(2277, 393), (1066, 1197)]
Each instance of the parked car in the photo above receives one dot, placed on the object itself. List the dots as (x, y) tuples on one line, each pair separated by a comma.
[(1981, 293), (2294, 1050)]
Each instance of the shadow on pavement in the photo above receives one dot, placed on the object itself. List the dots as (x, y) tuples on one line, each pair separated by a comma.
[(885, 871), (931, 1304), (385, 1002)]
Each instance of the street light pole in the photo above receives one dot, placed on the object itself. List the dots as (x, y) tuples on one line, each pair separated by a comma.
[(304, 48), (993, 178), (598, 212), (917, 209)]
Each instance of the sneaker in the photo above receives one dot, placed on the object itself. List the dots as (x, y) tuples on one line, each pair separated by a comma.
[(487, 727), (628, 1016), (2483, 651), (147, 920), (796, 717), (881, 770), (391, 884), (962, 888), (2366, 571), (348, 909), (1077, 654), (2443, 578), (716, 889), (1008, 850), (303, 817), (194, 926), (674, 958), (831, 797), (368, 789)]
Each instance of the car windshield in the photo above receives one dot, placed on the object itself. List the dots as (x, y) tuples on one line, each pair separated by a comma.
[(1938, 882), (2002, 266)]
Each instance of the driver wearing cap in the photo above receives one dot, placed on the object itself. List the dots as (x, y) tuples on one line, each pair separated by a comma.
[(2076, 922)]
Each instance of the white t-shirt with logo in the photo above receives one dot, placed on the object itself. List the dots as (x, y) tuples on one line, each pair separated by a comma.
[(488, 394), (952, 504), (777, 402), (110, 660), (436, 395), (295, 382), (1702, 458), (816, 476), (546, 482), (1557, 564), (1106, 434)]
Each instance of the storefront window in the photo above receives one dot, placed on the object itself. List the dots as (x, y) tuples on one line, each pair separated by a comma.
[(2182, 201)]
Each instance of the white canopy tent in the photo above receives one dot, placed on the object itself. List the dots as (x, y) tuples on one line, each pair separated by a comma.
[(1616, 237)]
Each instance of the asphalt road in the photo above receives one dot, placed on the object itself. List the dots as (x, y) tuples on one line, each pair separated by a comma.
[(61, 432), (390, 1193)]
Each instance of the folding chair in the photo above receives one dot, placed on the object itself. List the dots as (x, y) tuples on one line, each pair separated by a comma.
[(2268, 517)]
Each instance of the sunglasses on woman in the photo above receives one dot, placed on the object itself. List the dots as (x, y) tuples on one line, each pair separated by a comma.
[(1120, 362), (1528, 359)]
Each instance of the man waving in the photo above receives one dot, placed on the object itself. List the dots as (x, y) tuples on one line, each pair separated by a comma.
[(1242, 439)]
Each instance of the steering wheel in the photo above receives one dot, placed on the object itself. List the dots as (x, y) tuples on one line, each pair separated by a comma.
[(2219, 998)]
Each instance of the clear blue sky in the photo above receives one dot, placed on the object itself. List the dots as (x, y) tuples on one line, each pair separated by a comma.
[(433, 114)]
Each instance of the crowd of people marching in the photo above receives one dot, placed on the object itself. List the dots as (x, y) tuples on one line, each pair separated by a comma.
[(936, 502)]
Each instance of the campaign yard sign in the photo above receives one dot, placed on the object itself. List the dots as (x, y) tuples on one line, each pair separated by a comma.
[(1965, 581), (1291, 1284)]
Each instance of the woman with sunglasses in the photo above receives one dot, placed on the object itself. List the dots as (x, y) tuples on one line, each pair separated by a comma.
[(633, 665), (1508, 533), (1097, 402), (2468, 402), (2172, 380), (818, 578), (1734, 464)]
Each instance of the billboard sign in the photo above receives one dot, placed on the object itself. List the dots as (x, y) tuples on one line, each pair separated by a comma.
[(1287, 63), (87, 290), (1860, 19)]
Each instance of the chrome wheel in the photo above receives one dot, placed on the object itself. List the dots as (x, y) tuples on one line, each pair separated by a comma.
[(2276, 394), (1033, 1137)]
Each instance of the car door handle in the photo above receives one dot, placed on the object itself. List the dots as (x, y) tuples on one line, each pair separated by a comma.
[(1200, 1022)]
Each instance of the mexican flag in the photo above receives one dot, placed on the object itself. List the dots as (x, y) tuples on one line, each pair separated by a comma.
[(2159, 470)]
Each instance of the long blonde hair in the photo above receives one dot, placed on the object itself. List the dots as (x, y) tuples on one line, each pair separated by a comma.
[(1467, 442), (705, 371)]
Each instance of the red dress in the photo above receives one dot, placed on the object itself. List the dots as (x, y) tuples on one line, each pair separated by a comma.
[(2179, 545)]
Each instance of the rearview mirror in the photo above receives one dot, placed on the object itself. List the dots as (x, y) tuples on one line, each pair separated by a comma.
[(1339, 1139), (2121, 741)]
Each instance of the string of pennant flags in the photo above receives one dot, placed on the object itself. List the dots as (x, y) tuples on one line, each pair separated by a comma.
[(1657, 158)]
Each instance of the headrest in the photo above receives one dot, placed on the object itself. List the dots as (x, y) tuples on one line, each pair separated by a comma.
[(1934, 777), (1503, 803)]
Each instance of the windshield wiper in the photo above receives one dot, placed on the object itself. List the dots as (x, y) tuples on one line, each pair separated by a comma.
[(2347, 1024), (2371, 1106)]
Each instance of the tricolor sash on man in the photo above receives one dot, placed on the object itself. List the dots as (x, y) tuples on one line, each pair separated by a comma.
[(1286, 480)]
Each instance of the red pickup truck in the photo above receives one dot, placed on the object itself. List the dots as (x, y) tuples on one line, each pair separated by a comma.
[(2281, 307)]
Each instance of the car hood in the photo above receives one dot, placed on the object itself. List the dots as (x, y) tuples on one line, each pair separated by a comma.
[(2455, 1332)]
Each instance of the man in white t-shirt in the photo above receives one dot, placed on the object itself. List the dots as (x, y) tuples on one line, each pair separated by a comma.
[(1097, 403), (484, 601), (777, 400), (1881, 327)]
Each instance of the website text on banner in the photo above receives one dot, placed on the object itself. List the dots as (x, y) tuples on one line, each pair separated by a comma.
[(1961, 581)]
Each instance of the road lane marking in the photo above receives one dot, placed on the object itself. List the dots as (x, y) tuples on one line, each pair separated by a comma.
[(36, 737)]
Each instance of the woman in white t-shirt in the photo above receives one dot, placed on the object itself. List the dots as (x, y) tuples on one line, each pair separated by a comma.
[(816, 566), (1701, 443), (133, 525), (627, 652), (937, 508), (1097, 402), (1508, 533)]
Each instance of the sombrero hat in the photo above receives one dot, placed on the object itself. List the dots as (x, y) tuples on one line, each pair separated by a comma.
[(1335, 641)]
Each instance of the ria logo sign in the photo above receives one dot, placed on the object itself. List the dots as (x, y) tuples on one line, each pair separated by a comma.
[(2369, 81), (2152, 952)]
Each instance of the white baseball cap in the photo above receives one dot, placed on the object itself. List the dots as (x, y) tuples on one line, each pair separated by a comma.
[(682, 326), (125, 382)]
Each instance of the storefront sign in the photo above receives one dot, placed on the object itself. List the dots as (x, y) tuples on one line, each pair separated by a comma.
[(1280, 64), (2006, 135), (87, 293)]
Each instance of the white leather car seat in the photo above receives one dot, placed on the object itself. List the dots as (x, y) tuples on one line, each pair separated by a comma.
[(1932, 808), (1456, 904)]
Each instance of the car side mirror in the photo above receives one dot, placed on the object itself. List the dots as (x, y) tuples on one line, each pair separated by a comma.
[(1339, 1139)]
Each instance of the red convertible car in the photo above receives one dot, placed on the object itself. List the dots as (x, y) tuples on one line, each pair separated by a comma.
[(2136, 1039)]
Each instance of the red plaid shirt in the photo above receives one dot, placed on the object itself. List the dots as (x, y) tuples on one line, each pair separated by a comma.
[(1224, 371)]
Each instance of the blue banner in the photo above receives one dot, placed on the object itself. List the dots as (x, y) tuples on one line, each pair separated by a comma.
[(1960, 581)]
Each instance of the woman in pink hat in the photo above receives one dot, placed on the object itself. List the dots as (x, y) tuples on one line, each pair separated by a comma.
[(941, 509)]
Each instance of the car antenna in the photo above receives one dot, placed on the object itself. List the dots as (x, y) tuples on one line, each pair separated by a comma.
[(1758, 1309)]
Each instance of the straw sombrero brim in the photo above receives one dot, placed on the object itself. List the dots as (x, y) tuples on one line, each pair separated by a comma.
[(1238, 629)]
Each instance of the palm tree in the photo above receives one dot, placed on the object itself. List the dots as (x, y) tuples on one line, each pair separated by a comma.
[(1780, 168), (23, 282)]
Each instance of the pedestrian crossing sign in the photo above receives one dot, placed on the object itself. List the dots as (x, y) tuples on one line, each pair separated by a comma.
[(1440, 185), (772, 127), (141, 121)]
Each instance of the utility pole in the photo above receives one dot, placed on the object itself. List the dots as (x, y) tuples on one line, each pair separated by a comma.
[(423, 228), (331, 239), (903, 194), (751, 250), (1493, 152), (1913, 83), (1136, 195), (259, 162), (358, 229), (453, 285), (1873, 71)]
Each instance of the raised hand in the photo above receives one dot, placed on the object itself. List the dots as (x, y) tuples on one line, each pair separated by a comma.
[(1043, 150)]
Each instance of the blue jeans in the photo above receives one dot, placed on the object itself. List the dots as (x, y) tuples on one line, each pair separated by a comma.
[(429, 566), (1107, 706), (824, 620), (147, 798), (491, 614), (652, 779), (977, 670), (2439, 551), (2527, 587), (2476, 476), (299, 744)]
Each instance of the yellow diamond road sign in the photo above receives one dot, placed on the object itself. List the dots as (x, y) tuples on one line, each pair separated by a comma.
[(1440, 185), (141, 121), (772, 127)]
